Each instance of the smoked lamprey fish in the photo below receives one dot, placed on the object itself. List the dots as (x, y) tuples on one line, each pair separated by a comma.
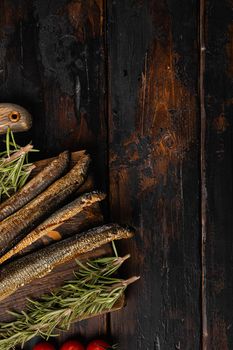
[(15, 117), (35, 186), (13, 228), (54, 221), (40, 263)]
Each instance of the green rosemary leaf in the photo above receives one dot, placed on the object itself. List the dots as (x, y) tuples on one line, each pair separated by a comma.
[(8, 142), (18, 171), (114, 248), (12, 141)]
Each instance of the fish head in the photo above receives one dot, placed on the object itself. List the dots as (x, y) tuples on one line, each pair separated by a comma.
[(14, 117)]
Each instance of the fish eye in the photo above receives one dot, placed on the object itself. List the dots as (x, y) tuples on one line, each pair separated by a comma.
[(14, 116)]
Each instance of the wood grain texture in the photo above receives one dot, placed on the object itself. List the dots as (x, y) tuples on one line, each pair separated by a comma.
[(153, 168), (219, 172), (52, 63), (167, 143)]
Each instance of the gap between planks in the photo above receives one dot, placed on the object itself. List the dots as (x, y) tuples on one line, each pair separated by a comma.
[(203, 189), (107, 107)]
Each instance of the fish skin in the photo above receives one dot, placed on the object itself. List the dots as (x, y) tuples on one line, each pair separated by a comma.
[(38, 264), (54, 221), (16, 226), (23, 124), (35, 186)]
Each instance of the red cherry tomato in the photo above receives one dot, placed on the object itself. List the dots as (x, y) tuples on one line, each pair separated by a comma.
[(98, 345), (72, 345), (43, 346)]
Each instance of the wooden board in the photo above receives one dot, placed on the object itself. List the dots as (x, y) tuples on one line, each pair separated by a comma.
[(154, 152), (218, 103)]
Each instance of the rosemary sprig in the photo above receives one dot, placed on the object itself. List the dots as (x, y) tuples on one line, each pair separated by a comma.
[(93, 290), (14, 166)]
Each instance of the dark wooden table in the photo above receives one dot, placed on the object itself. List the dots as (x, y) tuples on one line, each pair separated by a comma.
[(146, 86)]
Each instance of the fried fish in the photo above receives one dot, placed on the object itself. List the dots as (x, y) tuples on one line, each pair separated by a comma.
[(16, 226), (38, 264), (54, 221)]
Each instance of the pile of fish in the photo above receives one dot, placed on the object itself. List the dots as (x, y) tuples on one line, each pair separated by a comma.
[(46, 202)]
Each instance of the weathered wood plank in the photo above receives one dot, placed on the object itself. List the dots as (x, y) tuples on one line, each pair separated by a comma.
[(154, 176), (219, 173), (52, 63)]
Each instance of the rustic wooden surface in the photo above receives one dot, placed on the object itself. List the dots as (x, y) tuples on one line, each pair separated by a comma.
[(219, 173), (146, 87), (153, 132)]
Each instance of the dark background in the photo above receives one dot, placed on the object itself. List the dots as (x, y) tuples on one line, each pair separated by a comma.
[(146, 87)]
